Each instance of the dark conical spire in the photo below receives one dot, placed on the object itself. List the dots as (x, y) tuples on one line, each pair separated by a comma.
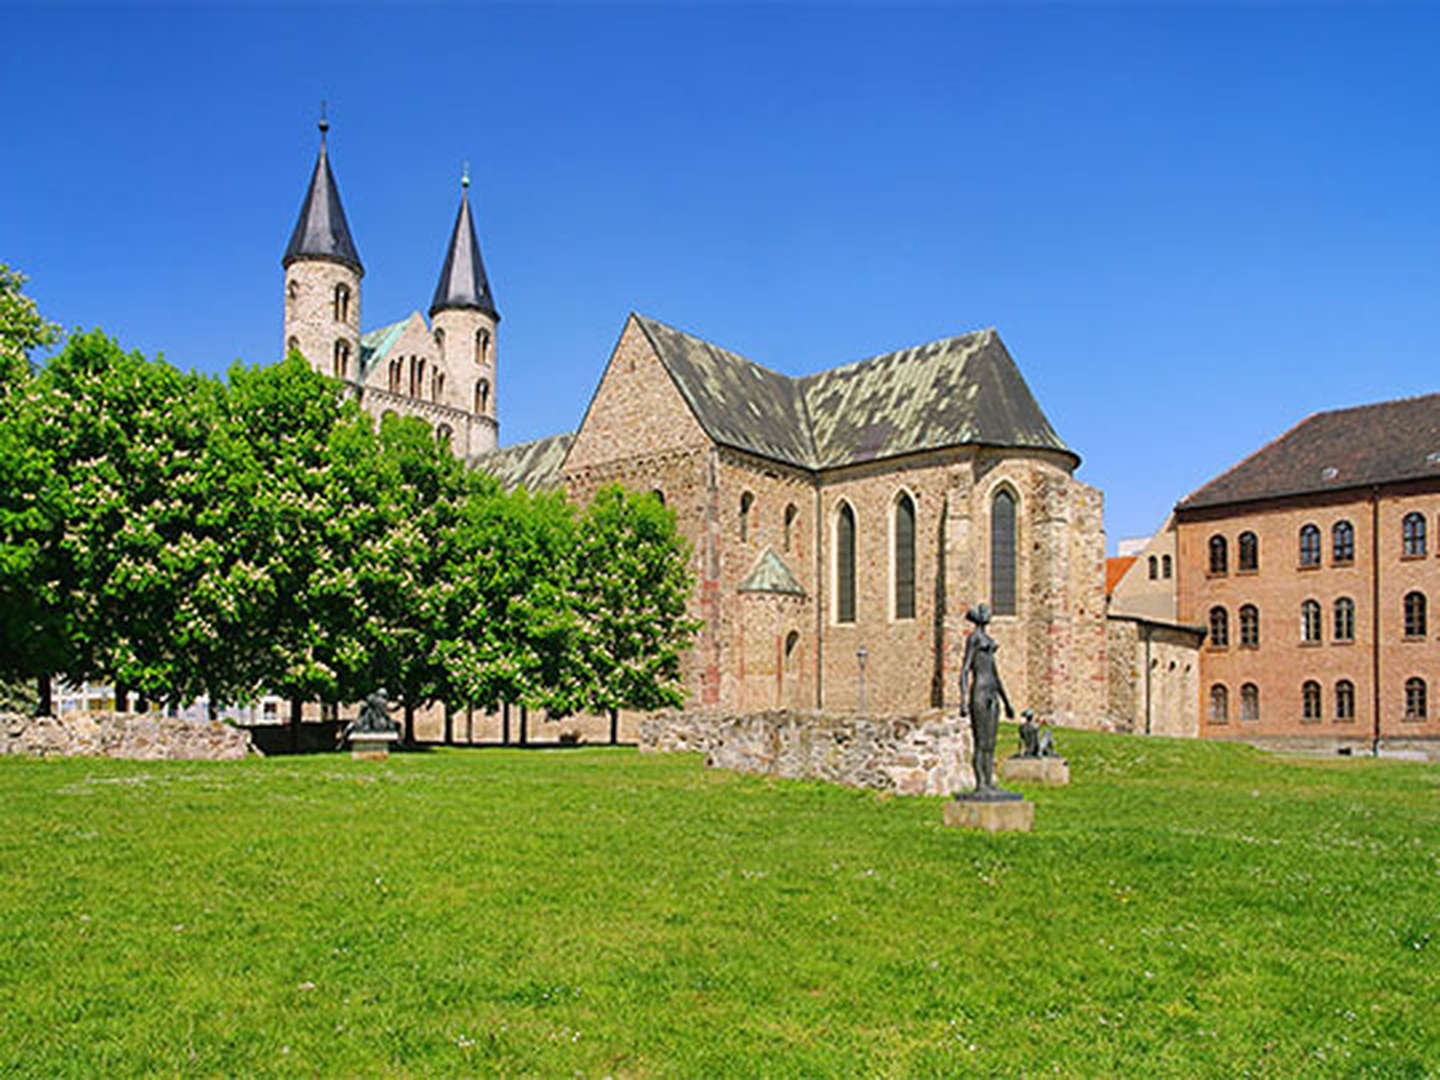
[(321, 232), (462, 279)]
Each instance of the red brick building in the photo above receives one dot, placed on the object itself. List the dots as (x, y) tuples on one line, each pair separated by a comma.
[(1312, 563)]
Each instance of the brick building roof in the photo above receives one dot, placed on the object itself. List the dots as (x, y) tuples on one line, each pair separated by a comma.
[(1383, 443), (960, 391)]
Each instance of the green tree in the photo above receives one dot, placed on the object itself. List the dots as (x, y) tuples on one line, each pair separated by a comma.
[(21, 328), (630, 589)]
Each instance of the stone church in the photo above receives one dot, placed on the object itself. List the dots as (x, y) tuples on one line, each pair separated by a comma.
[(842, 523), (443, 372)]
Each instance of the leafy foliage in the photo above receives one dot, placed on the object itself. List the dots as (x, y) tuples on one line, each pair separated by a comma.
[(21, 328)]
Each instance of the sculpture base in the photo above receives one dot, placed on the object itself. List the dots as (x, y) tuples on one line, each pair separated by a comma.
[(1050, 771), (372, 745), (1013, 815)]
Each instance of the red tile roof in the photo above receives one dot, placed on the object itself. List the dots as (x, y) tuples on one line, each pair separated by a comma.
[(1115, 570)]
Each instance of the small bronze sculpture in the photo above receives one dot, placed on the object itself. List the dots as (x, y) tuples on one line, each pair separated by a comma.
[(986, 693), (1036, 741), (374, 717)]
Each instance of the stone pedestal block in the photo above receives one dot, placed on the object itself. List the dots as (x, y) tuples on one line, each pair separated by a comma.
[(372, 745), (1052, 771), (1012, 816)]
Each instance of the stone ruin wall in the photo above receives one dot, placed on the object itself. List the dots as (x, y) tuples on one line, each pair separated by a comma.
[(140, 738), (917, 754)]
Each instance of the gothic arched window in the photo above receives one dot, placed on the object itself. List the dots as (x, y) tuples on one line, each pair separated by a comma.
[(482, 346), (342, 302), (342, 359), (845, 564), (1002, 553), (790, 512), (747, 501), (482, 396), (440, 343), (904, 566)]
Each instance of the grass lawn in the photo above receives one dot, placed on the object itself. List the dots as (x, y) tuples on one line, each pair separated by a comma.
[(1182, 909)]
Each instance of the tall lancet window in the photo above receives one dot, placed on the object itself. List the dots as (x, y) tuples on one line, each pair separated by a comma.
[(1002, 553), (482, 346), (845, 564), (342, 359), (342, 303), (904, 557), (482, 396)]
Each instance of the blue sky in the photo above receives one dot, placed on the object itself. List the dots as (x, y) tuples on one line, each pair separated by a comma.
[(1192, 226)]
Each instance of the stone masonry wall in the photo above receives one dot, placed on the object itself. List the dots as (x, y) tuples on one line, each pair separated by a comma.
[(143, 738), (922, 754)]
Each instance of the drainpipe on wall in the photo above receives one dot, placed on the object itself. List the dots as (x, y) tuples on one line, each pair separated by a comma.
[(1375, 619)]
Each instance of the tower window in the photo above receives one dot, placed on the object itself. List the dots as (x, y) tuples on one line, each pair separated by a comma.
[(292, 289), (482, 346), (440, 343), (845, 564), (1249, 553), (1309, 545), (292, 345), (904, 557), (482, 396), (1002, 553), (342, 303), (342, 359)]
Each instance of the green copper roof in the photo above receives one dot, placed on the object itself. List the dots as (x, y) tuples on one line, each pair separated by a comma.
[(374, 344), (532, 465), (960, 391), (771, 575)]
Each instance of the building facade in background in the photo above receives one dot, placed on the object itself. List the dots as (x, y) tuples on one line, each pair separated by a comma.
[(442, 371), (1312, 565)]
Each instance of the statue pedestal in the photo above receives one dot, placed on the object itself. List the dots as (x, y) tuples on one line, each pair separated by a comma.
[(1011, 815), (1050, 771), (372, 745)]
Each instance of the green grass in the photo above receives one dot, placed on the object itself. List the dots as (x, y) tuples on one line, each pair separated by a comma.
[(1182, 909)]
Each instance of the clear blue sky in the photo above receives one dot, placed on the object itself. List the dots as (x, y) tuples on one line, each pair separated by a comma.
[(1192, 226)]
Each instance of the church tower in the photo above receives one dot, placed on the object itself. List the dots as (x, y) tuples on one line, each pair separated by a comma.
[(322, 278), (464, 319)]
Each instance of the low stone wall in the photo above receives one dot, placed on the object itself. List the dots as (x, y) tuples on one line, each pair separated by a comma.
[(925, 754), (144, 738)]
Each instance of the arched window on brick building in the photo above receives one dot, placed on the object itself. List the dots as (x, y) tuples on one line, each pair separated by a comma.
[(1154, 568), (1412, 534), (1249, 627), (1165, 568), (1344, 619), (1344, 700), (1219, 704), (1248, 557), (845, 564), (747, 503), (1415, 703), (1249, 702), (1002, 553), (790, 513), (1309, 545), (1342, 542), (1310, 701), (1310, 622), (904, 565), (1219, 628), (1415, 614), (1219, 555)]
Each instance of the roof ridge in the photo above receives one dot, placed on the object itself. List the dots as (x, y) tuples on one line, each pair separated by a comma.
[(984, 332), (1251, 456)]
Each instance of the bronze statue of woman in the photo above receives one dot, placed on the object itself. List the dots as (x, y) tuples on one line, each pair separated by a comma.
[(986, 693)]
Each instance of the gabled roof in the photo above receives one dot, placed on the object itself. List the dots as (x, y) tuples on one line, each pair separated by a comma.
[(1115, 568), (1384, 443), (959, 391), (463, 283), (770, 575), (374, 344), (531, 465), (738, 402), (321, 231)]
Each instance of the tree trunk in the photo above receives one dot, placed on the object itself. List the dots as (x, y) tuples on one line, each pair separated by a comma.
[(469, 724), (449, 726), (409, 724), (122, 698), (44, 704), (524, 732), (296, 711), (505, 724), (614, 727)]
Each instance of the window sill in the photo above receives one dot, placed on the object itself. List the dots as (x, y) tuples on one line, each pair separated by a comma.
[(1247, 571), (1343, 641), (1308, 566), (1215, 574), (1341, 564), (1414, 639), (1217, 648), (1417, 557), (1248, 648), (1311, 644), (1344, 719)]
